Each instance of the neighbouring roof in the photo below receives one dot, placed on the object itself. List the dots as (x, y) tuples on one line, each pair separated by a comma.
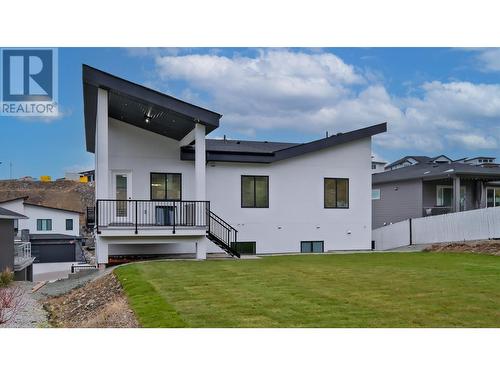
[(420, 159), (13, 199), (268, 152), (52, 236), (38, 205), (132, 103), (8, 214), (52, 208), (433, 171)]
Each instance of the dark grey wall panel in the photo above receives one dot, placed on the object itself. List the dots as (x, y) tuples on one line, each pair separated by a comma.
[(398, 201), (6, 244)]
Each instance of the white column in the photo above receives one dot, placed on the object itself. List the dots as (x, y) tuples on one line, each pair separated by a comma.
[(200, 162), (201, 248), (101, 251), (456, 194), (101, 146)]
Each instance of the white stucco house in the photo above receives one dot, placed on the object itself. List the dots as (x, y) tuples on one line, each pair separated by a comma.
[(162, 187), (42, 219)]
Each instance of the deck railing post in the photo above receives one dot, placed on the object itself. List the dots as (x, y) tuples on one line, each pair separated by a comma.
[(136, 217), (173, 230)]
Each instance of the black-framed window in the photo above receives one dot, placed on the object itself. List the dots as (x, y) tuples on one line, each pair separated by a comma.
[(312, 246), (69, 224), (255, 191), (43, 224), (166, 186), (336, 192)]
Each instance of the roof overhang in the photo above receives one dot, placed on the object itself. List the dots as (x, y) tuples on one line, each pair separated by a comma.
[(187, 152), (133, 103)]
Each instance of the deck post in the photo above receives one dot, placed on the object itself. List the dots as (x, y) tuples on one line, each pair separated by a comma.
[(200, 162), (201, 248), (456, 194), (101, 149)]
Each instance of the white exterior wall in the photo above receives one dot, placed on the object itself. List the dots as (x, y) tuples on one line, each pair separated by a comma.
[(33, 213), (295, 191), (296, 200)]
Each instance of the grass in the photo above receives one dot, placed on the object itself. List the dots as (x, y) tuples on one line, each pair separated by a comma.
[(352, 290)]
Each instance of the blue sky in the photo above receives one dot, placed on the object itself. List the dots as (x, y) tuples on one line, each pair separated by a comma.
[(435, 100)]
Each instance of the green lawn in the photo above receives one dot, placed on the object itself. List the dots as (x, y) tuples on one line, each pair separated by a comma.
[(358, 290)]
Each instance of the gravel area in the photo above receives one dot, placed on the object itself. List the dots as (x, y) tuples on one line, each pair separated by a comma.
[(32, 314)]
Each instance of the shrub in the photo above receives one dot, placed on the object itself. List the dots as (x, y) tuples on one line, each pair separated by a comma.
[(11, 302), (6, 277)]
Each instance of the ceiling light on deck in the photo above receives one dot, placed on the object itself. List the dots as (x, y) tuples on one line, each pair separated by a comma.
[(147, 119)]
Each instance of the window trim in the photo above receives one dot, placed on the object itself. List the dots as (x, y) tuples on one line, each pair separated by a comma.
[(39, 221), (72, 224), (151, 187), (254, 191), (336, 189), (322, 247)]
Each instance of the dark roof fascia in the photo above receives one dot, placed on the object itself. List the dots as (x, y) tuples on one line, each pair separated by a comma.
[(187, 153), (94, 78), (334, 140), (52, 208)]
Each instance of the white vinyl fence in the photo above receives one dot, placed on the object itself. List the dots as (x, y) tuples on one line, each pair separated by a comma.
[(391, 236), (481, 224)]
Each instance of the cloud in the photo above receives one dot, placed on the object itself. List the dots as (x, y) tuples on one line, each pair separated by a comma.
[(489, 59), (278, 89)]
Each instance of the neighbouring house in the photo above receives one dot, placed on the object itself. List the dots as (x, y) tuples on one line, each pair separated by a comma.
[(378, 165), (163, 188), (53, 233), (14, 255), (417, 186)]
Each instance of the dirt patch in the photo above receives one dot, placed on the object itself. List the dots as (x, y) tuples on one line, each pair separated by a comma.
[(99, 304), (480, 247)]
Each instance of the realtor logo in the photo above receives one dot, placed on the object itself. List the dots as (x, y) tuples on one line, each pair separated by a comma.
[(29, 82)]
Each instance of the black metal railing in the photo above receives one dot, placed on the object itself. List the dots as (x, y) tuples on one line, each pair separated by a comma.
[(90, 217), (136, 213), (223, 234)]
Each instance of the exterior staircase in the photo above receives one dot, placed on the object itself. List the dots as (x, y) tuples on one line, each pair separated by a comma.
[(222, 234)]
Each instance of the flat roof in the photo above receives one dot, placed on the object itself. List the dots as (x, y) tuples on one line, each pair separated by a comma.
[(133, 103)]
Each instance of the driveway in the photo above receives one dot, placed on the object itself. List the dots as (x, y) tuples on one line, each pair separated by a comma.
[(51, 271)]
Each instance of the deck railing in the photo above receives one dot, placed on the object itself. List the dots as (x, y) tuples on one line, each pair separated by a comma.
[(22, 251), (136, 214)]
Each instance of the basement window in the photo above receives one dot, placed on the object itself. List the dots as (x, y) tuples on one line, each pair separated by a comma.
[(44, 224), (312, 246), (244, 247)]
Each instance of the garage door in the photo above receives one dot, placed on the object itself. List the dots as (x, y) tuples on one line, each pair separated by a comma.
[(51, 253)]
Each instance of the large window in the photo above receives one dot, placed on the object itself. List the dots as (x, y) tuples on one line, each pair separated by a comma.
[(444, 196), (493, 197), (166, 186), (255, 191), (69, 224), (44, 224), (336, 193), (311, 246)]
